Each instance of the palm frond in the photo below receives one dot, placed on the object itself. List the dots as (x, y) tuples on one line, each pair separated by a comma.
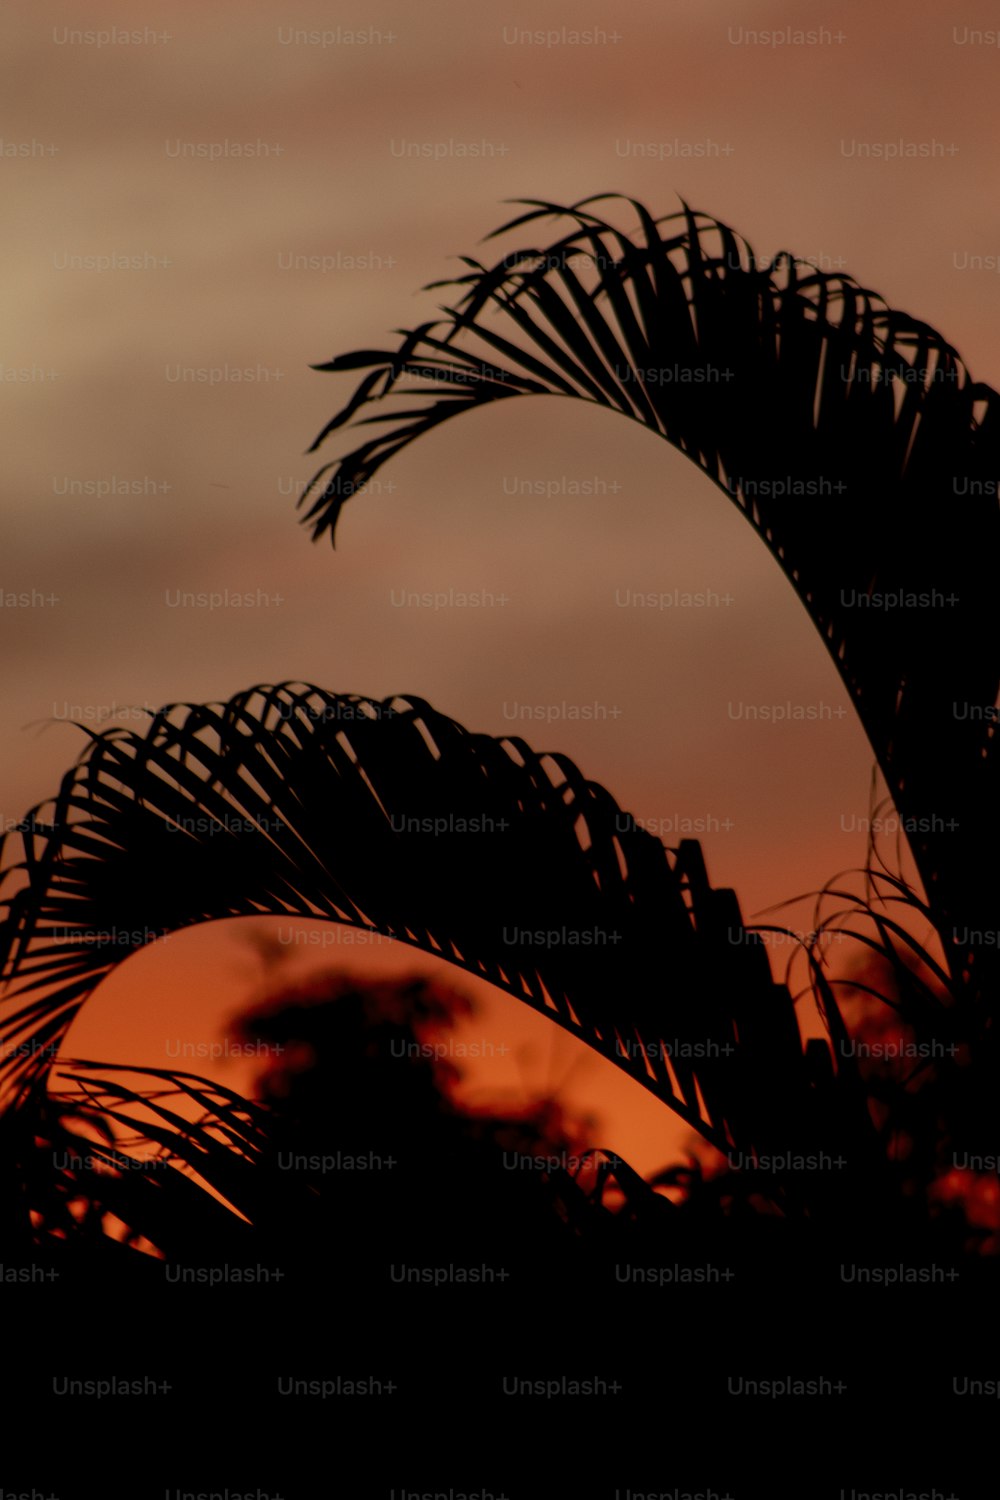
[(161, 1161), (388, 816), (849, 434)]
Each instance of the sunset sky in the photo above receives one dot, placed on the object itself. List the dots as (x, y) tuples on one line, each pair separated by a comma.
[(128, 485)]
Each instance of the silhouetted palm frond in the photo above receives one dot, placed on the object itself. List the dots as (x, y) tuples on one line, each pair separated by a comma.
[(850, 435), (140, 1146), (289, 801)]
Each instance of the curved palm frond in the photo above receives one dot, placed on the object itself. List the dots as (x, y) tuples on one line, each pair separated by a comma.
[(849, 434), (388, 816), (179, 1161)]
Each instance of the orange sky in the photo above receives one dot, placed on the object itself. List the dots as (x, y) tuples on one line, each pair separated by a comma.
[(762, 136)]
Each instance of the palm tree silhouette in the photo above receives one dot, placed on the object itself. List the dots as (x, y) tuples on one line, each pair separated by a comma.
[(387, 815)]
